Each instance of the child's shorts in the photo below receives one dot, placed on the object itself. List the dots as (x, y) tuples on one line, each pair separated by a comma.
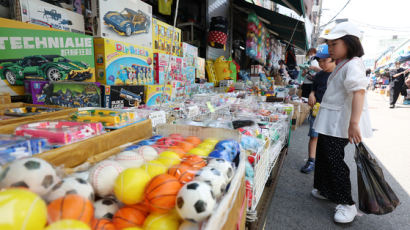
[(312, 132)]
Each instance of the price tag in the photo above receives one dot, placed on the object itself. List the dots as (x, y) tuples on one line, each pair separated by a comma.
[(210, 107), (158, 117)]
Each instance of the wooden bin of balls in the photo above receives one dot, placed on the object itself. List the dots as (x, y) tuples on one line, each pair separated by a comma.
[(15, 114), (182, 178)]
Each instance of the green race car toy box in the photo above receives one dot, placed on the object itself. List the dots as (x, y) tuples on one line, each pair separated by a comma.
[(32, 52), (120, 63)]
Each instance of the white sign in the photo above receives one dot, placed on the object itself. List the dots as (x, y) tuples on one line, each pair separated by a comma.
[(158, 117)]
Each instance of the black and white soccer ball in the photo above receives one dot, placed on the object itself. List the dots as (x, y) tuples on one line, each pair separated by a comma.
[(214, 178), (223, 166), (71, 185), (186, 225), (106, 208), (35, 174), (195, 201)]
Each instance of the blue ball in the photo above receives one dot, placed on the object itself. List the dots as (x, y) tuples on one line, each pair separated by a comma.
[(226, 155), (156, 137)]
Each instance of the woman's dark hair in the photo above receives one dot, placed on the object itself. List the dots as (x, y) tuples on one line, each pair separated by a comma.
[(354, 46)]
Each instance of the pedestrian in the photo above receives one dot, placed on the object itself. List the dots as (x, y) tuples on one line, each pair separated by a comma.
[(397, 86), (310, 73), (319, 86), (343, 117)]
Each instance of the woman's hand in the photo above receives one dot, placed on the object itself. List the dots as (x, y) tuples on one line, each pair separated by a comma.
[(354, 133)]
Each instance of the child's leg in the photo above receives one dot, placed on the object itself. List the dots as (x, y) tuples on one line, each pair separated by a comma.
[(312, 147), (332, 175)]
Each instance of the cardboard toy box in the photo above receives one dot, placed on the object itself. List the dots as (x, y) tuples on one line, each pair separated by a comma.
[(73, 94), (155, 93), (45, 14), (39, 53), (200, 68), (35, 89), (189, 50), (122, 96), (123, 20), (180, 90), (174, 70), (162, 38), (120, 63), (189, 69)]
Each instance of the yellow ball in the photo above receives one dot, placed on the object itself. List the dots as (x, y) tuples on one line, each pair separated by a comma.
[(213, 141), (22, 209), (207, 146), (199, 152), (68, 225), (130, 184), (161, 222), (169, 158), (132, 228), (154, 168)]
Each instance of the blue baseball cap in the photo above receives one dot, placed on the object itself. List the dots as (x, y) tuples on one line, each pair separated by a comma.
[(322, 51)]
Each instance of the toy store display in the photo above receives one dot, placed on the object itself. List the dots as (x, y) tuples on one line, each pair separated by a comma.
[(128, 21), (120, 63), (15, 147), (173, 65), (111, 119), (218, 32), (48, 15), (119, 97), (255, 44), (158, 94), (60, 132), (162, 38), (72, 94), (41, 53)]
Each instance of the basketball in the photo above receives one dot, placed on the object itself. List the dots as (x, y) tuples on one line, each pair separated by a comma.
[(183, 172), (186, 146), (161, 193), (194, 161), (102, 224), (73, 207), (129, 216), (129, 185), (193, 140), (143, 207), (133, 228), (68, 225)]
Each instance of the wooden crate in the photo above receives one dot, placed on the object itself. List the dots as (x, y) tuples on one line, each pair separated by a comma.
[(5, 98)]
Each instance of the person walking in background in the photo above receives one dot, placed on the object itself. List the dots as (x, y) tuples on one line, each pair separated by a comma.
[(310, 73), (343, 116), (397, 86), (319, 86)]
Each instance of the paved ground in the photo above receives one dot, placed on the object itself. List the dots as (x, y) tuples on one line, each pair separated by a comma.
[(292, 206)]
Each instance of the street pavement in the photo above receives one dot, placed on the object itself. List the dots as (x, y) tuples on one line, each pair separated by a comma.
[(293, 207)]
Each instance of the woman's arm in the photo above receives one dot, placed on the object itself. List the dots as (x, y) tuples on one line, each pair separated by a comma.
[(357, 108)]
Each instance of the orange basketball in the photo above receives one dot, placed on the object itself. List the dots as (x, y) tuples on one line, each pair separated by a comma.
[(161, 193), (73, 207), (183, 172), (129, 216), (186, 146), (178, 150), (102, 224), (143, 207), (193, 140), (194, 161)]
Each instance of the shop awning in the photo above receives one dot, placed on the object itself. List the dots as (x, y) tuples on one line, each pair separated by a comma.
[(295, 5), (285, 28)]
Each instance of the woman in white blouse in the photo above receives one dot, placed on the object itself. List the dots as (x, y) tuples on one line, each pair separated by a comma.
[(343, 117)]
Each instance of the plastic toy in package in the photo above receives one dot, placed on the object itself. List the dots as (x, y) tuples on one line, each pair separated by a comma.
[(60, 132), (111, 119), (15, 147), (28, 111)]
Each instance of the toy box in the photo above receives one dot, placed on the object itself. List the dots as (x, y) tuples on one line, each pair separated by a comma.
[(200, 68), (189, 69), (111, 119), (189, 50), (15, 147), (44, 14), (174, 68), (180, 90), (119, 63), (123, 20), (162, 38), (155, 93), (36, 52), (72, 94), (35, 89), (116, 96)]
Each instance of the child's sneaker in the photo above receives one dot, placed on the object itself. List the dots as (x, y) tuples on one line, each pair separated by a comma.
[(309, 167)]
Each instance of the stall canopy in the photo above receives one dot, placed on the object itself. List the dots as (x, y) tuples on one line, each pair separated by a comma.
[(295, 5), (285, 28)]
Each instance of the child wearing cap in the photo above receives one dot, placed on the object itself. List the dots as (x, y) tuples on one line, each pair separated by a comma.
[(343, 117), (319, 86)]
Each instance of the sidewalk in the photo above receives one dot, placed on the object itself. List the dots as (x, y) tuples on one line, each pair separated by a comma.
[(294, 208)]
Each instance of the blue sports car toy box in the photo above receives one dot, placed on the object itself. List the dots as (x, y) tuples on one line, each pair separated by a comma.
[(123, 20)]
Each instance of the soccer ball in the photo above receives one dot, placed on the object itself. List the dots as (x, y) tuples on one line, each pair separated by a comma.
[(186, 225), (195, 201), (82, 174), (33, 173), (106, 208), (71, 185), (224, 167), (214, 178)]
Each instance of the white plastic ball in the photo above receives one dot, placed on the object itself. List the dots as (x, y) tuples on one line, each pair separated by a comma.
[(148, 153), (71, 185), (106, 208), (186, 225), (130, 159), (214, 178), (223, 166), (103, 175)]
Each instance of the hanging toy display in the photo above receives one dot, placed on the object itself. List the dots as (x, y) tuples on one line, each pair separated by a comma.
[(218, 32)]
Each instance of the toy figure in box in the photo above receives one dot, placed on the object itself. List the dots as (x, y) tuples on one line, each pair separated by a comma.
[(121, 63), (162, 38), (71, 94), (122, 96), (155, 94)]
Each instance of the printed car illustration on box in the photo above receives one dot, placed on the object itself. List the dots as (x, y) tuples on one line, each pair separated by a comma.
[(128, 22), (47, 67)]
